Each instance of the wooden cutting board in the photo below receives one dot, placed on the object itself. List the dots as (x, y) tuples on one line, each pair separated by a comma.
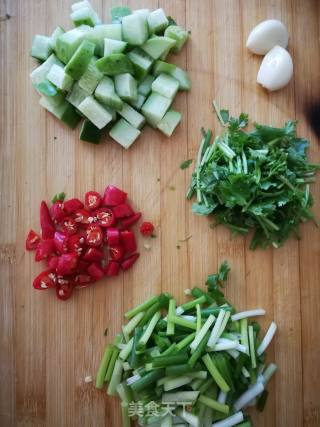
[(48, 346)]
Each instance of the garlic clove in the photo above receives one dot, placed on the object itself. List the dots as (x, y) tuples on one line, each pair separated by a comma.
[(266, 35), (276, 69)]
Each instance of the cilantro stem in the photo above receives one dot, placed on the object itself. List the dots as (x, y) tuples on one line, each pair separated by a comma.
[(217, 110)]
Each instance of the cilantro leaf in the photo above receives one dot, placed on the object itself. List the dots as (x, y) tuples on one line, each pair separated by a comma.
[(186, 164), (59, 197)]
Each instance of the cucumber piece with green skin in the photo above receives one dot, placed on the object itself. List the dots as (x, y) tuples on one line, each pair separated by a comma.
[(68, 43), (157, 46), (124, 133), (179, 35), (58, 76), (106, 94), (79, 61), (137, 104), (54, 100), (112, 112), (141, 61), (39, 74), (77, 95), (144, 86), (47, 88), (173, 71), (157, 21), (155, 108), (95, 112), (54, 36), (41, 48), (132, 116), (118, 12), (91, 77), (165, 85), (113, 46), (114, 64), (100, 32), (64, 112), (85, 15), (134, 29), (169, 122), (90, 133), (126, 87)]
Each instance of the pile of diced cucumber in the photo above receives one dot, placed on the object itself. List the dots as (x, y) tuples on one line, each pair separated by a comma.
[(114, 75)]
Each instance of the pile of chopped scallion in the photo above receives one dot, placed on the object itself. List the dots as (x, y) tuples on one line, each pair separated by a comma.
[(196, 364)]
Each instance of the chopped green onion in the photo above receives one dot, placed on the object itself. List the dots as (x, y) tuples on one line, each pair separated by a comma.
[(215, 373), (191, 304), (104, 366), (248, 395), (115, 354), (173, 383), (248, 313), (270, 370), (267, 339), (148, 332), (180, 396), (125, 414), (164, 361), (171, 312), (216, 329), (185, 342), (244, 334), (183, 322), (147, 380), (141, 307), (230, 421), (131, 325), (203, 331), (214, 404), (115, 378), (124, 353), (199, 350), (198, 309), (252, 347)]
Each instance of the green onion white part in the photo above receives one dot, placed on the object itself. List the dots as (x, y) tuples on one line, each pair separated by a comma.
[(129, 53), (216, 330), (267, 339), (230, 421), (199, 337), (248, 395), (248, 313)]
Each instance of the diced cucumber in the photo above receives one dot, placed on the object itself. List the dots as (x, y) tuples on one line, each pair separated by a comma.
[(79, 61), (132, 116), (157, 46), (126, 87), (64, 112), (105, 93), (141, 61), (134, 29), (95, 112), (85, 15), (113, 46), (144, 86), (91, 77), (118, 12), (46, 88), (116, 63), (162, 67), (90, 133), (77, 95), (174, 71), (139, 101), (165, 54), (155, 108), (100, 32), (165, 85), (41, 47), (169, 122), (68, 43), (59, 78), (39, 74), (112, 111), (80, 4), (124, 133), (179, 34), (55, 100), (56, 33), (157, 21)]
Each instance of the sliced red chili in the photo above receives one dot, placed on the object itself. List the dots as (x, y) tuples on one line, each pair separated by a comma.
[(128, 262), (128, 240), (123, 210), (44, 249), (53, 262), (112, 269), (146, 228), (83, 280), (112, 236), (67, 263), (64, 291), (32, 240), (105, 217), (57, 212), (69, 226), (116, 252), (131, 220), (94, 235), (82, 216), (47, 226), (92, 200), (73, 205), (95, 271), (76, 244), (46, 279), (113, 196), (60, 242), (82, 266), (93, 254)]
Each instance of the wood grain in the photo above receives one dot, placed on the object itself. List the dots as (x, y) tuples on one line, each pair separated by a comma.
[(48, 347)]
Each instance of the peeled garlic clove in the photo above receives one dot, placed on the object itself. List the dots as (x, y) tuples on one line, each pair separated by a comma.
[(276, 69), (266, 35)]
